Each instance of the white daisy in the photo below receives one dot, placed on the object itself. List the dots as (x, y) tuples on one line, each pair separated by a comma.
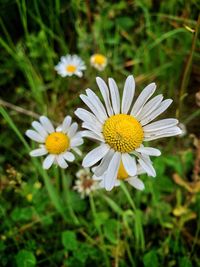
[(121, 129), (122, 175), (98, 61), (85, 184), (70, 65), (56, 143)]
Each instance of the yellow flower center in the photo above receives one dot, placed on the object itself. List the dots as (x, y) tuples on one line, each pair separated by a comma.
[(57, 143), (123, 133), (71, 68), (122, 174), (99, 59)]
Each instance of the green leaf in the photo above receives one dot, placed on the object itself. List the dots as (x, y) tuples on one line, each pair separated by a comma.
[(125, 22), (150, 259), (25, 258), (76, 203), (110, 230), (185, 262), (69, 240), (101, 218), (22, 214)]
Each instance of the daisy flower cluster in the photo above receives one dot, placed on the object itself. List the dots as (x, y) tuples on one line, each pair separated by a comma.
[(70, 65), (121, 126)]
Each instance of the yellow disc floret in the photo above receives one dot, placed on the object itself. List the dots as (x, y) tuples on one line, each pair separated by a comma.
[(122, 174), (99, 59), (71, 68), (123, 133), (57, 143)]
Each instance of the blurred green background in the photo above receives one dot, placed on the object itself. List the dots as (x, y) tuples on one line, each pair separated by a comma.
[(44, 222)]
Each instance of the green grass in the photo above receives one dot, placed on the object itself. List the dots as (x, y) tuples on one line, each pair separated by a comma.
[(44, 222)]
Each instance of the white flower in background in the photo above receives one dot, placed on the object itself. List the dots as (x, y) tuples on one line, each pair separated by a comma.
[(121, 129), (122, 175), (98, 61), (85, 184), (56, 143), (70, 65)]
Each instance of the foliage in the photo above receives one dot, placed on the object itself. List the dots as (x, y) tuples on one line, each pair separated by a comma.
[(43, 221)]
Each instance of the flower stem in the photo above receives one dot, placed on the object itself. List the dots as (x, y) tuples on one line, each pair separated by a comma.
[(93, 208)]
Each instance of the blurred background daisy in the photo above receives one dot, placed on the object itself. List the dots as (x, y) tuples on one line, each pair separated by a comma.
[(84, 183), (70, 65), (98, 61)]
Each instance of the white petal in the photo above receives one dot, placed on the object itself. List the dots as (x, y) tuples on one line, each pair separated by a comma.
[(129, 164), (162, 107), (96, 178), (87, 116), (39, 128), (93, 135), (77, 151), (114, 96), (95, 155), (102, 167), (146, 164), (35, 136), (49, 160), (162, 131), (117, 182), (66, 123), (101, 117), (175, 131), (93, 127), (59, 128), (38, 152), (69, 156), (159, 125), (76, 141), (95, 99), (135, 182), (61, 162), (146, 93), (105, 93), (128, 94), (149, 107), (140, 170), (112, 171), (47, 124), (149, 151), (72, 129)]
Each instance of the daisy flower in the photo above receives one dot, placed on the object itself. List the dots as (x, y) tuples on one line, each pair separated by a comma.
[(85, 184), (122, 175), (70, 65), (122, 128), (57, 143), (98, 61)]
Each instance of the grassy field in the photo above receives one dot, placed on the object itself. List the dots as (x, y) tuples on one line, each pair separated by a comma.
[(44, 221)]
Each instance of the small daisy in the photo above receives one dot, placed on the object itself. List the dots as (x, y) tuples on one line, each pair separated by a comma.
[(70, 65), (98, 61), (121, 129), (122, 175), (85, 184), (56, 143)]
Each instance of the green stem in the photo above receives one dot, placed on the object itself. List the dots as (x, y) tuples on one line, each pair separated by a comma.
[(129, 198), (67, 199), (93, 208), (53, 194)]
